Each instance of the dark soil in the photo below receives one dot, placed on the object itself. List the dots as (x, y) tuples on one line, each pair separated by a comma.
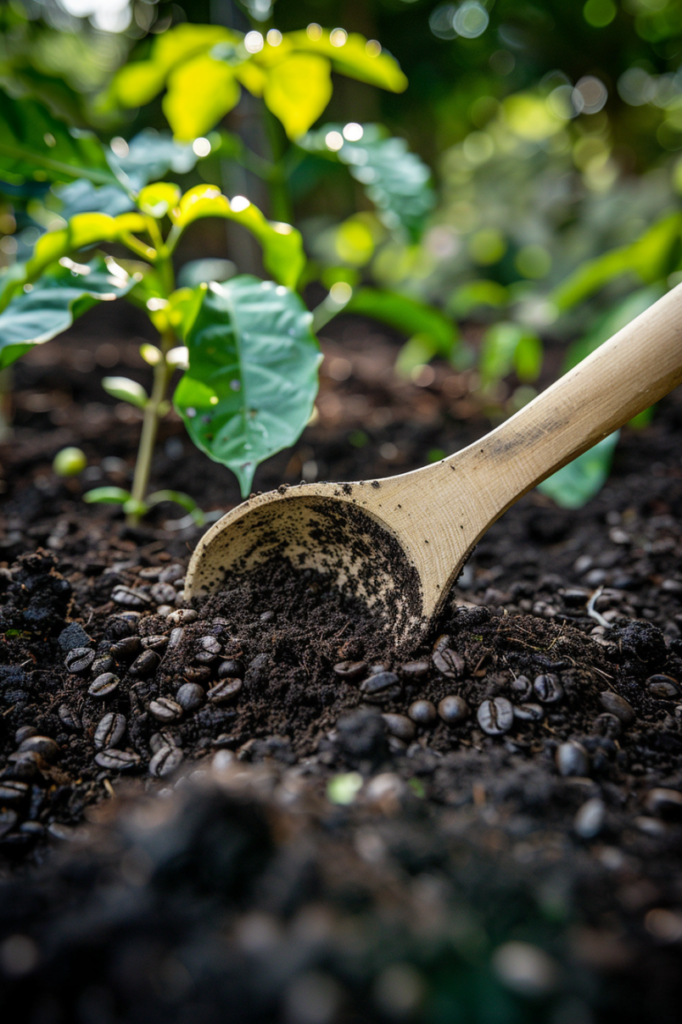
[(285, 842)]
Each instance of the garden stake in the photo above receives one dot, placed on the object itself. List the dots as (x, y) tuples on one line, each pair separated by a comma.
[(400, 543)]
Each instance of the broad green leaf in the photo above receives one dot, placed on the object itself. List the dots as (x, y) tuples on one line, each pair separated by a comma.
[(159, 199), (508, 346), (395, 180), (282, 245), (126, 390), (151, 155), (297, 91), (651, 257), (57, 299), (574, 484), (611, 322), (199, 95), (354, 56), (252, 376), (85, 229), (139, 82), (407, 315), (35, 145), (84, 197), (107, 496)]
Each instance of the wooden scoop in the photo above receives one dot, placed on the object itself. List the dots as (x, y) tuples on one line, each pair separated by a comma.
[(400, 543)]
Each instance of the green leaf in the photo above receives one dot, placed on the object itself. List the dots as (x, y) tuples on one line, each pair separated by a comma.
[(297, 91), (126, 390), (151, 155), (575, 484), (282, 245), (395, 180), (84, 197), (468, 297), (181, 499), (57, 299), (159, 199), (35, 145), (407, 315), (355, 57), (252, 376), (650, 258), (199, 95), (508, 346), (107, 496), (610, 323)]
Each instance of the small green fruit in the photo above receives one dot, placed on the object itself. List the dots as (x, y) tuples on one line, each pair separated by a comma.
[(69, 462)]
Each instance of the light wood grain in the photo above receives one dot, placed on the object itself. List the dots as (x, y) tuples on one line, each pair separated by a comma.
[(439, 513)]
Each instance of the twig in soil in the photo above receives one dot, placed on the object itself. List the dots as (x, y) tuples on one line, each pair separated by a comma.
[(592, 611)]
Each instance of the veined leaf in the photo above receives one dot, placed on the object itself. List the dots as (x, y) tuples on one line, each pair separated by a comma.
[(648, 258), (354, 56), (407, 315), (574, 485), (252, 376), (57, 299), (282, 245), (35, 145), (297, 90), (199, 95), (395, 180)]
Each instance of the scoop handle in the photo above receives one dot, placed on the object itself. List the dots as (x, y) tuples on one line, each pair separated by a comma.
[(628, 373)]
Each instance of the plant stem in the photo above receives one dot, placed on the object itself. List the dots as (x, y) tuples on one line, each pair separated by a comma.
[(150, 425)]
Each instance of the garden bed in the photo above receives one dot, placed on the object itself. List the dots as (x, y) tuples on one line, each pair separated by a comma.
[(339, 820)]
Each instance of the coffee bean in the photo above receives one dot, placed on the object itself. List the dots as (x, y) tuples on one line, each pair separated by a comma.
[(157, 642), (12, 791), (175, 637), (377, 683), (529, 712), (350, 669), (522, 687), (25, 766), (399, 726), (120, 626), (442, 642), (163, 593), (495, 716), (69, 718), (43, 745), (145, 665), (117, 760), (125, 649), (423, 712), (23, 733), (589, 819), (607, 725), (233, 669), (449, 663), (79, 659), (130, 598), (548, 689), (103, 663), (110, 730), (8, 820), (208, 650), (183, 615), (572, 759), (190, 696), (172, 573), (667, 803), (104, 685), (225, 690), (415, 669), (453, 710), (165, 761), (618, 706), (197, 673), (663, 687), (165, 710)]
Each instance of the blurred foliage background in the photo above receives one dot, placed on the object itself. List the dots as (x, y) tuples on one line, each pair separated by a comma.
[(552, 133)]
